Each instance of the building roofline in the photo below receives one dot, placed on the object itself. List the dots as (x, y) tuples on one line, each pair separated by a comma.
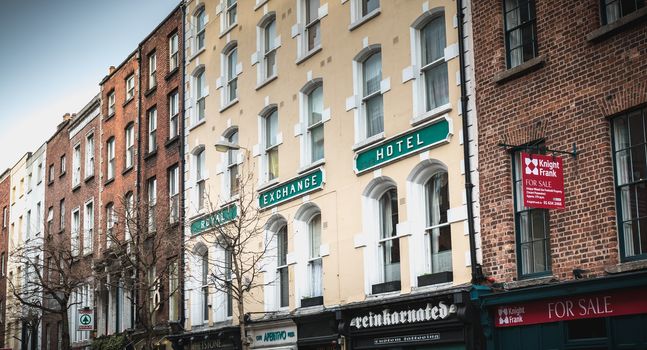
[(161, 23), (84, 112), (109, 75)]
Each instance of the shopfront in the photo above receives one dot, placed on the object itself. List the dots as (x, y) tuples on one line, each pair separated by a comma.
[(318, 331), (226, 338), (441, 322), (602, 313)]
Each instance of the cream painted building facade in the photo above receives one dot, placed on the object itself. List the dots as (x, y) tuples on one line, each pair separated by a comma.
[(348, 114)]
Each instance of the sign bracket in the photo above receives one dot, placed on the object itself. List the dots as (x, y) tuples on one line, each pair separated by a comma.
[(539, 149)]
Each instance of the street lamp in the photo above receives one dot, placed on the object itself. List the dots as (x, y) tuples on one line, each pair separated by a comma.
[(224, 146)]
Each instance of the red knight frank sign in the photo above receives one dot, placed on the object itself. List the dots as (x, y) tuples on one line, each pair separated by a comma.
[(542, 181)]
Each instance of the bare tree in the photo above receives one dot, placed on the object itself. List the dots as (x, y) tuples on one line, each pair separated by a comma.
[(141, 255), (50, 274), (238, 230)]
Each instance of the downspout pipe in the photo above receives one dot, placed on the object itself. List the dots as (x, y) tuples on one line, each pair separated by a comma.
[(477, 272), (182, 267), (133, 312)]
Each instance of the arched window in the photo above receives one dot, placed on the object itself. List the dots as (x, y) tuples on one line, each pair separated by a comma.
[(200, 24), (270, 142), (200, 169), (438, 232), (268, 47), (282, 265), (315, 130), (388, 244), (315, 271), (369, 114)]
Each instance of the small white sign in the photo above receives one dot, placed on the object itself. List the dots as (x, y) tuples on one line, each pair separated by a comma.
[(86, 319)]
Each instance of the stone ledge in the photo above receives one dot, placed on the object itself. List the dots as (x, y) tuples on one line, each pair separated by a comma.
[(622, 22), (626, 267), (522, 69), (530, 282)]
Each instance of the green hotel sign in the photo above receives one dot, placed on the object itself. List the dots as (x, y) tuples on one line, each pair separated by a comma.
[(291, 189), (403, 145), (214, 219)]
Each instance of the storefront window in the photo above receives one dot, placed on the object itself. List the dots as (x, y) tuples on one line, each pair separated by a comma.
[(533, 248), (630, 160), (587, 329)]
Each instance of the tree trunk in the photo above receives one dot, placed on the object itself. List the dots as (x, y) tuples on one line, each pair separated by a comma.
[(241, 323), (65, 325)]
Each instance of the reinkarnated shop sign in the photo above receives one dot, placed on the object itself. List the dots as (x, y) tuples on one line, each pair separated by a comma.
[(387, 317)]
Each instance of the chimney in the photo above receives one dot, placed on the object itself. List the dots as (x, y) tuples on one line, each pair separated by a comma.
[(111, 70), (67, 116)]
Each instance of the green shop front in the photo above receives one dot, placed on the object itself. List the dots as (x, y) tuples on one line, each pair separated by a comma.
[(594, 314), (427, 321)]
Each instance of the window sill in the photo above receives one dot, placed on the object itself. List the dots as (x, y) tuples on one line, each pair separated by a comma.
[(110, 115), (364, 19), (224, 32), (626, 267), (229, 201), (259, 4), (50, 183), (369, 141), (266, 81), (197, 124), (435, 278), (312, 165), (386, 287), (197, 53), (171, 141), (307, 55), (127, 170), (61, 174), (431, 114), (170, 74), (228, 105), (109, 181), (520, 70), (88, 178), (150, 154), (530, 282), (312, 301), (608, 29), (150, 91), (76, 187), (128, 101), (267, 184)]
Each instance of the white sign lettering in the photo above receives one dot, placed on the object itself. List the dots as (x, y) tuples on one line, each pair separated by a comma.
[(389, 318)]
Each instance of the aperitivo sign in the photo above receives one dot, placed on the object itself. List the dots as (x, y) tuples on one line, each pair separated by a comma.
[(542, 181), (611, 303)]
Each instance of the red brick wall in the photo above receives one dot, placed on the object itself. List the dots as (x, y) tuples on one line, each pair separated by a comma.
[(157, 163), (566, 101)]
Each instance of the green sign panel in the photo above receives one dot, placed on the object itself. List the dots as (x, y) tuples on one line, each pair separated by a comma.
[(86, 319), (402, 145), (291, 189), (214, 219)]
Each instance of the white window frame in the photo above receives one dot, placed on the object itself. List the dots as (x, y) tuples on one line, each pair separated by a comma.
[(232, 161), (174, 293), (200, 90), (305, 126), (110, 155), (174, 191), (267, 44), (174, 114), (280, 267), (88, 221), (111, 103), (152, 70), (63, 161), (76, 165), (89, 155), (200, 178), (152, 129), (174, 52), (231, 10), (110, 223), (314, 259), (129, 209), (152, 203), (307, 26), (129, 160), (361, 97), (200, 32), (265, 145), (230, 74), (205, 303), (38, 217), (75, 229), (130, 87), (357, 12)]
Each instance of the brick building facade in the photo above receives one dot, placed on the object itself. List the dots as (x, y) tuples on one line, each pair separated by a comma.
[(5, 185), (575, 78)]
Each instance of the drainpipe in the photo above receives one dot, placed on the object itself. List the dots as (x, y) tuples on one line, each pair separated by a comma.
[(182, 264), (477, 272), (133, 312)]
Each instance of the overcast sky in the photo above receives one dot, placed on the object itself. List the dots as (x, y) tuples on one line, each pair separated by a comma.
[(54, 53)]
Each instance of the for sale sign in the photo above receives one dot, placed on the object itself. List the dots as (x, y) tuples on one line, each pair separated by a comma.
[(542, 181), (86, 319)]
